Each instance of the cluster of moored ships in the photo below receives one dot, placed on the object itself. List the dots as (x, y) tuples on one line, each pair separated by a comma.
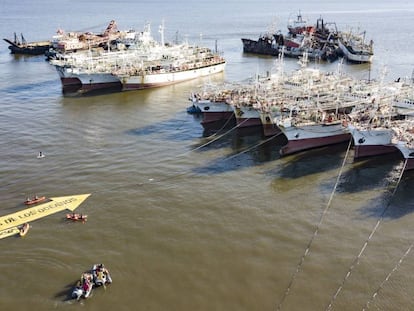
[(117, 60), (309, 107), (313, 109), (321, 41), (122, 60)]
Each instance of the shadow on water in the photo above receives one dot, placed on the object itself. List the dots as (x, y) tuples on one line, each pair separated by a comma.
[(74, 91), (235, 137), (176, 129), (29, 58), (247, 151), (23, 89), (396, 205), (311, 162), (66, 293), (369, 173)]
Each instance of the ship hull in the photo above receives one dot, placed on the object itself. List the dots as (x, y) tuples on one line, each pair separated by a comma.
[(216, 115), (313, 136), (270, 129), (77, 82), (213, 126), (356, 56), (158, 79), (248, 122), (32, 48), (408, 154), (410, 164), (362, 151), (259, 47), (29, 50), (371, 142), (247, 116)]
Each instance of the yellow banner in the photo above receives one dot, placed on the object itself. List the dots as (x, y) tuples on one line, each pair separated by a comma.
[(9, 232), (42, 210)]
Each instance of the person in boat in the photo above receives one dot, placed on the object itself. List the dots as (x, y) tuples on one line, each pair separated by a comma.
[(23, 230), (86, 285), (102, 273), (101, 267)]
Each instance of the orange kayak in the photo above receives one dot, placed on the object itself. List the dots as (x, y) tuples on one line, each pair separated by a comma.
[(76, 217), (34, 200)]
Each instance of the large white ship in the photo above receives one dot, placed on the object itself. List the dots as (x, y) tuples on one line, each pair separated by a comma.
[(77, 80), (200, 63), (354, 47), (145, 64)]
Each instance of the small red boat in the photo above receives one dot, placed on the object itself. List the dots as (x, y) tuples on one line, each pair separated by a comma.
[(34, 200), (76, 217), (23, 230)]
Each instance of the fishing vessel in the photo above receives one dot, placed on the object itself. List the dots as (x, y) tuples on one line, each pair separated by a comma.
[(65, 42), (403, 140), (308, 135), (216, 112), (354, 47), (247, 115), (299, 25), (270, 127), (145, 64), (193, 62), (319, 41), (267, 44), (76, 80), (372, 118), (17, 46), (370, 127), (404, 101), (314, 111), (371, 141), (91, 70)]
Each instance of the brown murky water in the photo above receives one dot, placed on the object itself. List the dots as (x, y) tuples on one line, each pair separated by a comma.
[(222, 227)]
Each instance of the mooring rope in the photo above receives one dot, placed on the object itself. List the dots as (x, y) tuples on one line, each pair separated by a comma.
[(150, 181), (224, 125), (254, 146), (226, 159), (375, 294), (356, 260), (302, 259), (215, 139)]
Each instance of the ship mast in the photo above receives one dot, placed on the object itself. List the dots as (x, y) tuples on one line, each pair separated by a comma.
[(161, 31)]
